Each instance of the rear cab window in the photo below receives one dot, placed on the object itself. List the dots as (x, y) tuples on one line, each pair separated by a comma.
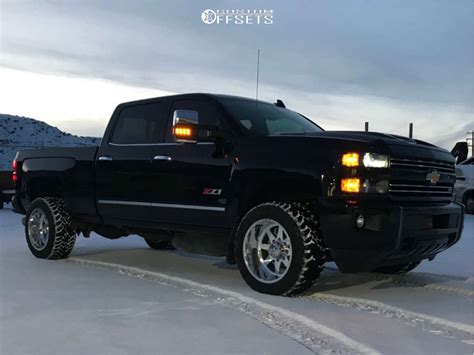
[(140, 124)]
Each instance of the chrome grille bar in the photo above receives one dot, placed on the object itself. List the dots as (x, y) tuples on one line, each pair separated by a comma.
[(409, 179), (420, 192)]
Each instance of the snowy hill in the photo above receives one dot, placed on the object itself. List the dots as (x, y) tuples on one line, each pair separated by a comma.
[(18, 133)]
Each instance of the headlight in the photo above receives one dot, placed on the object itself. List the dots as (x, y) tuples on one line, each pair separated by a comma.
[(372, 160)]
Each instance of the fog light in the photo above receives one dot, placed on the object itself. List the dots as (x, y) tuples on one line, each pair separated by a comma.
[(351, 185), (360, 221)]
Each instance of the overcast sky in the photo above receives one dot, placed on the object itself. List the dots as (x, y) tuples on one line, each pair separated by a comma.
[(339, 62)]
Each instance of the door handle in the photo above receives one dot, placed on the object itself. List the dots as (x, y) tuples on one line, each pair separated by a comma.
[(162, 157), (105, 158)]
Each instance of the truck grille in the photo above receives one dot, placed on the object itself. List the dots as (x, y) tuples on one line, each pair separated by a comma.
[(415, 179)]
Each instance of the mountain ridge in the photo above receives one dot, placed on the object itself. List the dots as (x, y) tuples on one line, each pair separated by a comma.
[(19, 132)]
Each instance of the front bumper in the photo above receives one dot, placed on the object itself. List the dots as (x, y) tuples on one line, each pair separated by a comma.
[(391, 234)]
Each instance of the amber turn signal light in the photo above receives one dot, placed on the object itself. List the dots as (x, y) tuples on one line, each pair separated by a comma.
[(350, 159), (351, 185), (182, 131)]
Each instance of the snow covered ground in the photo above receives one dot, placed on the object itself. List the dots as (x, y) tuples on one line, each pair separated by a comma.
[(120, 297)]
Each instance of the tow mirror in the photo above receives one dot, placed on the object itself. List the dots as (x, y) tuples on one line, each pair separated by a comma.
[(186, 126)]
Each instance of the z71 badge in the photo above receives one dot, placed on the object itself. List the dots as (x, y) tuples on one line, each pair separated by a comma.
[(208, 191)]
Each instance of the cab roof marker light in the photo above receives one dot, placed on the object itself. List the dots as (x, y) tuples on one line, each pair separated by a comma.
[(372, 160)]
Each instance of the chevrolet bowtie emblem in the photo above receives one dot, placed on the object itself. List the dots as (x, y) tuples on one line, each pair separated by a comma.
[(433, 177)]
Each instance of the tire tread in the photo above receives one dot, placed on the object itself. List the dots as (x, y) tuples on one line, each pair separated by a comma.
[(314, 253), (64, 236)]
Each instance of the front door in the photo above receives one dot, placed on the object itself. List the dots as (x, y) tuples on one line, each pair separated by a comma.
[(192, 179)]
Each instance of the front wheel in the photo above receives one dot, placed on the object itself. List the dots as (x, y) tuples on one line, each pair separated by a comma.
[(278, 248), (48, 229)]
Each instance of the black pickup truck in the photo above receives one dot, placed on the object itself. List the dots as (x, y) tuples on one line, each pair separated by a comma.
[(251, 180)]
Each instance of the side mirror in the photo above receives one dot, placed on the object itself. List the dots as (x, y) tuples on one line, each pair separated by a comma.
[(185, 125), (186, 128)]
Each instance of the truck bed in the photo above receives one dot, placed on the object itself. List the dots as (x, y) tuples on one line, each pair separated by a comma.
[(64, 171), (77, 153)]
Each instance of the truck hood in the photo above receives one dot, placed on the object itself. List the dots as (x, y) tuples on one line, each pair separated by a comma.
[(370, 137), (395, 145)]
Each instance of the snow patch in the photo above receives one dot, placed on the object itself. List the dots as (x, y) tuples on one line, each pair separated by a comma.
[(419, 279), (429, 323), (309, 333)]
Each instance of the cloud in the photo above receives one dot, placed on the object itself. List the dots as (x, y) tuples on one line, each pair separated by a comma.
[(343, 63), (424, 51), (76, 105), (456, 135)]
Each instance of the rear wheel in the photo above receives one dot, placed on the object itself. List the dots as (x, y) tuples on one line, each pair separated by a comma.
[(398, 269), (278, 248), (48, 229)]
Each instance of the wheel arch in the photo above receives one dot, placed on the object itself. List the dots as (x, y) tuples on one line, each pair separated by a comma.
[(47, 177), (48, 186), (252, 188)]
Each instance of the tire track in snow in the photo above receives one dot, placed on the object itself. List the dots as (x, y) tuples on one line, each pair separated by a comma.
[(417, 279), (431, 324), (314, 336)]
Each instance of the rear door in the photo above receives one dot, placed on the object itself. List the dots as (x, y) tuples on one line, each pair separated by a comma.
[(192, 179), (123, 166)]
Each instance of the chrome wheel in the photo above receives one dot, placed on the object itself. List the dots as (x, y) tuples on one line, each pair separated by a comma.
[(38, 229), (267, 251)]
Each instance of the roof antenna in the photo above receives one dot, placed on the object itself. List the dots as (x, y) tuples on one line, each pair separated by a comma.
[(258, 72)]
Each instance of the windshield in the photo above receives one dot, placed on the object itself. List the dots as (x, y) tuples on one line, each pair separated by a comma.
[(267, 119)]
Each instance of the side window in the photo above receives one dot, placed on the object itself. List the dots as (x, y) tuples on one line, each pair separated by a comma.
[(208, 114), (140, 124)]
